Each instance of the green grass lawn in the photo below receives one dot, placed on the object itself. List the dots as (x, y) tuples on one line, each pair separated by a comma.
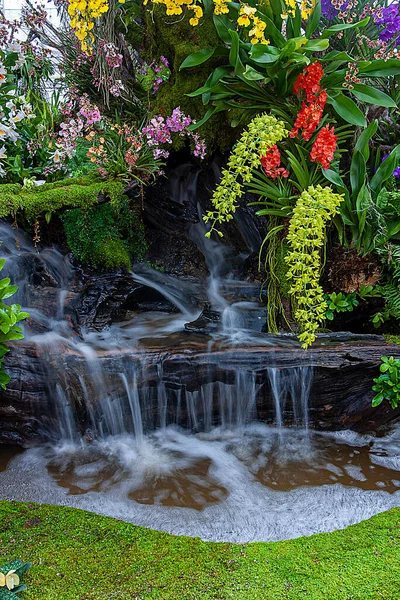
[(77, 555)]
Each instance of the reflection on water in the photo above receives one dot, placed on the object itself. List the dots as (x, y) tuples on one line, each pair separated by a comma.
[(7, 452)]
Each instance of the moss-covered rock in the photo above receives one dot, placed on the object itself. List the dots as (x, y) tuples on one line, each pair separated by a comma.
[(175, 39), (50, 197)]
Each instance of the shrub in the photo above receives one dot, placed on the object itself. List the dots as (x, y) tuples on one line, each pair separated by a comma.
[(10, 315), (387, 385)]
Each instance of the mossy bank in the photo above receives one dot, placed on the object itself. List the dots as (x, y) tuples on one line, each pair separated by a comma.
[(80, 555)]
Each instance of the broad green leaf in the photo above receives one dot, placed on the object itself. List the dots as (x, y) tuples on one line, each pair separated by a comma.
[(316, 45), (252, 75), (342, 26), (379, 68), (333, 177), (262, 54), (372, 95), (347, 109), (197, 58), (223, 25)]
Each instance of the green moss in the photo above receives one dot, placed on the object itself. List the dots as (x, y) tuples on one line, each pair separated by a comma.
[(76, 554), (47, 198), (106, 235), (113, 253), (392, 339), (176, 39)]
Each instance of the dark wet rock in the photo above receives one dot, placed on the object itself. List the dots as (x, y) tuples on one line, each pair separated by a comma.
[(340, 397), (207, 322), (172, 206), (107, 297)]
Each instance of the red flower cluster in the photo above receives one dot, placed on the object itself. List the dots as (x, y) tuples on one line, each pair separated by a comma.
[(311, 111), (309, 81), (271, 161), (309, 117), (324, 147)]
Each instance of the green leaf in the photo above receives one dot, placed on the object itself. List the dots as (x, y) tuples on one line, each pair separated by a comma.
[(377, 400), (358, 169), (223, 25), (347, 109), (212, 81), (385, 170), (342, 26), (197, 58), (316, 45), (333, 177), (367, 93), (262, 54), (362, 144), (379, 68), (252, 75), (314, 19), (234, 57)]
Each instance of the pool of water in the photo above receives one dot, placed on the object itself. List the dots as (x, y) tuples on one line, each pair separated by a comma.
[(255, 483)]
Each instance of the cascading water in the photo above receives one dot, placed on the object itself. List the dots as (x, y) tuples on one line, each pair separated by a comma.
[(153, 424)]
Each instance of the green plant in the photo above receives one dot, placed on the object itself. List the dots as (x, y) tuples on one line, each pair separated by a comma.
[(306, 234), (261, 134), (387, 385), (107, 235), (10, 315), (10, 577), (338, 303), (367, 220), (257, 75)]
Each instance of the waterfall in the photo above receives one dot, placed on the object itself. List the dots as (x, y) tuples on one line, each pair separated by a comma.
[(294, 383), (117, 381)]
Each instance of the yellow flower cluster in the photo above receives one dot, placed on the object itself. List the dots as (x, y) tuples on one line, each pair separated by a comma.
[(83, 14), (221, 7), (246, 17), (314, 208), (306, 8), (263, 132), (247, 14), (197, 14)]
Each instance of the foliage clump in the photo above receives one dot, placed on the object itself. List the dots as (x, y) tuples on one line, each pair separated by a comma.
[(387, 385), (10, 316), (108, 235)]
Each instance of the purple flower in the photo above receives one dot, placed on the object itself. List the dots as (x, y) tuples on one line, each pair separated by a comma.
[(330, 11), (396, 172), (389, 18)]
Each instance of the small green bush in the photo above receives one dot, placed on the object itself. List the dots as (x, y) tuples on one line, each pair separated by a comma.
[(10, 315), (387, 385)]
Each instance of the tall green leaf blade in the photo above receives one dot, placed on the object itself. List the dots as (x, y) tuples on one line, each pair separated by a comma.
[(314, 19)]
